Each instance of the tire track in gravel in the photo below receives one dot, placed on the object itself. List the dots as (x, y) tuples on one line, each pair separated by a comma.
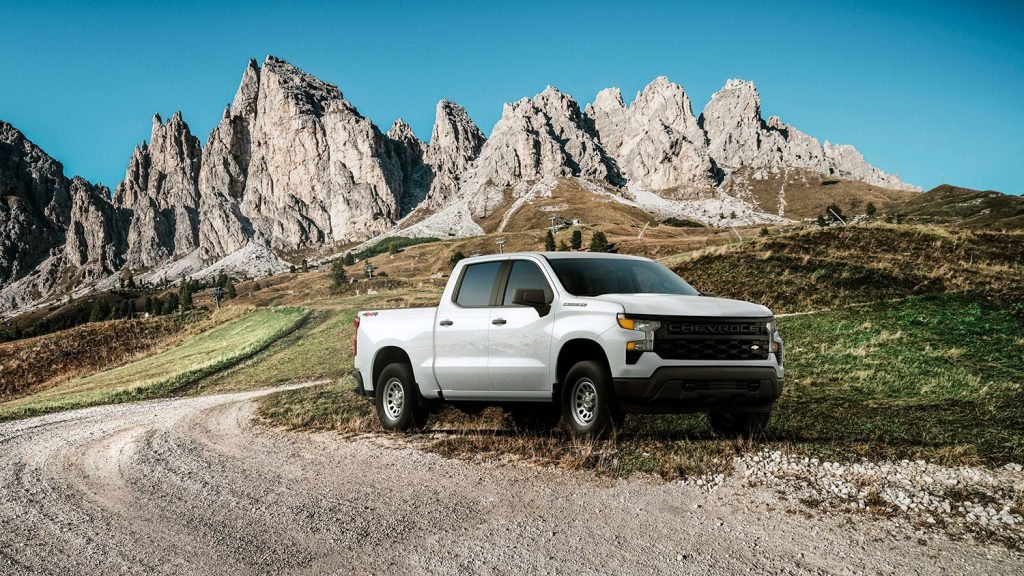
[(194, 485)]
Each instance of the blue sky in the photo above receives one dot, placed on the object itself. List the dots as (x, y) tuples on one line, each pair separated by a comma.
[(933, 91)]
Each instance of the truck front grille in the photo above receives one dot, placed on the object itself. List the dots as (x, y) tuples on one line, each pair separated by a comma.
[(712, 339)]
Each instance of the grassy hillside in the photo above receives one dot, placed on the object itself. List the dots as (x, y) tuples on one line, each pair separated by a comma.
[(32, 364), (947, 204), (161, 373), (827, 267), (806, 194)]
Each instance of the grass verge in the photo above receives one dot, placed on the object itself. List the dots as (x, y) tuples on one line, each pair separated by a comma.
[(162, 373)]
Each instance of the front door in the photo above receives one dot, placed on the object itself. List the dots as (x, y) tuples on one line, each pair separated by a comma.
[(520, 337)]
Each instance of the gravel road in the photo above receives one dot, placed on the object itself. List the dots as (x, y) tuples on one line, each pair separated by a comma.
[(193, 485)]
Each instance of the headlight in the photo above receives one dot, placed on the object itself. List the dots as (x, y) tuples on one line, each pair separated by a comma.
[(646, 327), (638, 324), (775, 340)]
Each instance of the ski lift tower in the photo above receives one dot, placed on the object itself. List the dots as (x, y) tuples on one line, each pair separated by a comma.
[(554, 218), (369, 268), (501, 245)]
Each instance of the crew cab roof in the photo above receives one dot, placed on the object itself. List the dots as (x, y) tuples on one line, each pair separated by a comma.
[(551, 256)]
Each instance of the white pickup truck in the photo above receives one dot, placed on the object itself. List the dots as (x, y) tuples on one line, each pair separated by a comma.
[(582, 337)]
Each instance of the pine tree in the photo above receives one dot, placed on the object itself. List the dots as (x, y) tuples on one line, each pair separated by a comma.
[(821, 221), (576, 241), (99, 312), (291, 268), (764, 231), (170, 305), (870, 210), (349, 259), (549, 241), (230, 290), (305, 265), (599, 243), (338, 276)]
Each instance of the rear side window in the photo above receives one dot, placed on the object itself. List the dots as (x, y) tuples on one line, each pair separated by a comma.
[(477, 283), (525, 275)]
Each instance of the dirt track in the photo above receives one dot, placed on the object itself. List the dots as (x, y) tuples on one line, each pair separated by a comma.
[(194, 486)]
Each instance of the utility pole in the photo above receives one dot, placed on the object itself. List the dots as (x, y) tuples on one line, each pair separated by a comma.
[(217, 293), (553, 218), (501, 245)]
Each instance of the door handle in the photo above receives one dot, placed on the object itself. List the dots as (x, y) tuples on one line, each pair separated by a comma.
[(498, 321), (446, 322)]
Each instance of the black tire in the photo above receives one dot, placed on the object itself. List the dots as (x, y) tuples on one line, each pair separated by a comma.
[(535, 418), (399, 406), (587, 402), (745, 425)]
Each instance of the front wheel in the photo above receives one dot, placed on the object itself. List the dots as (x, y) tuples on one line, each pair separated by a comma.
[(745, 425), (587, 400), (398, 400)]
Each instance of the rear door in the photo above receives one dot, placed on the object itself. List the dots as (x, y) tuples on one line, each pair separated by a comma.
[(520, 337), (461, 332)]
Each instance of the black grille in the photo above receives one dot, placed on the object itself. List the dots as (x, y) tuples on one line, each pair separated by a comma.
[(712, 339)]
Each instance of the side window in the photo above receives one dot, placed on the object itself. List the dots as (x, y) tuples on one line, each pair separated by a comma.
[(477, 282), (525, 275)]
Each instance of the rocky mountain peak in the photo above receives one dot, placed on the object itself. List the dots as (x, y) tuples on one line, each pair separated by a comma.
[(539, 137), (454, 143), (248, 92), (739, 139), (401, 131), (161, 190), (656, 141)]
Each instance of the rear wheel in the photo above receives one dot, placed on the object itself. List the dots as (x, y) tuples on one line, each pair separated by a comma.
[(399, 406), (587, 400), (739, 424)]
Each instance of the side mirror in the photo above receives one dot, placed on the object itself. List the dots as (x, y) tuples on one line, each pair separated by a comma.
[(534, 298)]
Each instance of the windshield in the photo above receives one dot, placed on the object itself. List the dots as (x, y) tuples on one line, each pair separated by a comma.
[(597, 276)]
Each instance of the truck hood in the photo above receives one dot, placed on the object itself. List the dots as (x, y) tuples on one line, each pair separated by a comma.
[(677, 305)]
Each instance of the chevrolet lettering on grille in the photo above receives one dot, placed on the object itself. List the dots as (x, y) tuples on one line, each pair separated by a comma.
[(689, 328)]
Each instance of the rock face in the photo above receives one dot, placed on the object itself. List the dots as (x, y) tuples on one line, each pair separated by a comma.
[(656, 141), (318, 171), (454, 144), (54, 232), (738, 138), (407, 155), (546, 136), (34, 204), (97, 236), (161, 191)]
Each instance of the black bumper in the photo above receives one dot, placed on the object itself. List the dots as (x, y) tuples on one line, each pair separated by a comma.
[(673, 389)]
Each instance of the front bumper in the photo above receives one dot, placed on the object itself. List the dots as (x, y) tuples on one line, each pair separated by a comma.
[(674, 389)]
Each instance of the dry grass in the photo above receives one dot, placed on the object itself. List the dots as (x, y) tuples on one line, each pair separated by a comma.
[(164, 372), (33, 364)]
